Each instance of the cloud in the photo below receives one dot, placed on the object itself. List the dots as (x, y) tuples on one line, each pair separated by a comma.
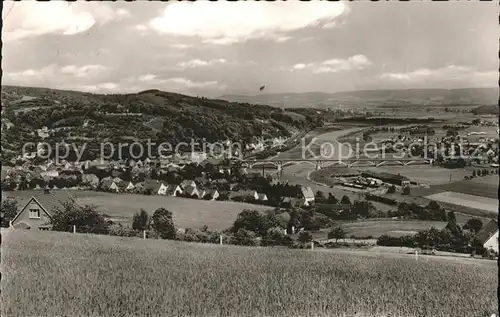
[(30, 18), (451, 72), (228, 22), (201, 63), (82, 71), (179, 82), (355, 62)]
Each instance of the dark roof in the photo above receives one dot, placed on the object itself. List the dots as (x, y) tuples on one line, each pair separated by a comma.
[(191, 190), (49, 201), (487, 231)]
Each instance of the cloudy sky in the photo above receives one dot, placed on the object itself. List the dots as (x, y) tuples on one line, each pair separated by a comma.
[(216, 48)]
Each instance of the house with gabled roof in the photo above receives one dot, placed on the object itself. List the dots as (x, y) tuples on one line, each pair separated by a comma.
[(307, 195), (155, 187), (488, 236), (188, 183), (211, 194), (109, 185), (126, 186), (173, 190), (38, 210), (262, 197), (192, 192)]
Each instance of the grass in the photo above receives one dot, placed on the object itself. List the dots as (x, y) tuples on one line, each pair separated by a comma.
[(188, 213), (461, 199), (62, 274), (486, 186)]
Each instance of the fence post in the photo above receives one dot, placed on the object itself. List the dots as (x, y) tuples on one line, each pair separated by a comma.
[(312, 245), (220, 239), (144, 234), (74, 228)]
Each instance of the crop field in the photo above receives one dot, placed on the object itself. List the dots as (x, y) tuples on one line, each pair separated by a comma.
[(423, 174), (461, 199), (188, 213), (63, 274), (379, 227), (481, 186)]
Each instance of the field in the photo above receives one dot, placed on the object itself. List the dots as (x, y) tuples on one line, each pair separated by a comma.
[(378, 227), (482, 186), (63, 274), (471, 201), (188, 213), (424, 174)]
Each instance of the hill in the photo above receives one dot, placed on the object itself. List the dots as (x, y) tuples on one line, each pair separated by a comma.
[(65, 274), (149, 115), (361, 98)]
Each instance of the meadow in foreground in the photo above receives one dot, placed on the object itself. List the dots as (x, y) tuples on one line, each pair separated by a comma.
[(63, 274)]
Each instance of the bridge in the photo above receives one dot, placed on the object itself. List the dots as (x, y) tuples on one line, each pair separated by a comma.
[(319, 163)]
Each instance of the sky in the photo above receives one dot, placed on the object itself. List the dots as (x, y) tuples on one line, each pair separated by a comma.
[(217, 48)]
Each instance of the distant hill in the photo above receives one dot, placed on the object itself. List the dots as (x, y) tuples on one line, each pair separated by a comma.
[(376, 98), (154, 115)]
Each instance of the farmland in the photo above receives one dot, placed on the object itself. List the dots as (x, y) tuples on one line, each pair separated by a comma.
[(110, 276), (188, 213), (461, 199)]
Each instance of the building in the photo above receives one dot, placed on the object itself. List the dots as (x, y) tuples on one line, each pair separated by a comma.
[(155, 187), (38, 210), (211, 194), (90, 180), (173, 190), (262, 197), (192, 191), (109, 185), (307, 195), (488, 236), (244, 194), (126, 187), (394, 179)]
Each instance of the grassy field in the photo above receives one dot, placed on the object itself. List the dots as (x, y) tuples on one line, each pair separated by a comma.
[(482, 186), (188, 213), (424, 174), (378, 227), (461, 199), (63, 274)]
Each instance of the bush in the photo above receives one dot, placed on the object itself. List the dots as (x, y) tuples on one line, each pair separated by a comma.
[(244, 237), (163, 224), (86, 219), (117, 229), (141, 221), (337, 233), (305, 236), (9, 210), (276, 236)]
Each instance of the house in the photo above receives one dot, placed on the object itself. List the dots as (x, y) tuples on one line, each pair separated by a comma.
[(192, 191), (155, 187), (262, 197), (188, 183), (173, 190), (211, 194), (488, 236), (394, 179), (38, 210), (90, 180), (125, 186), (292, 202), (307, 195), (107, 184), (50, 172)]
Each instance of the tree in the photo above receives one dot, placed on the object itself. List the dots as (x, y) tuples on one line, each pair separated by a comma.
[(345, 200), (406, 190), (85, 218), (140, 220), (332, 199), (305, 236), (244, 237), (276, 236), (9, 209), (319, 196), (163, 224), (337, 233), (391, 189), (474, 224)]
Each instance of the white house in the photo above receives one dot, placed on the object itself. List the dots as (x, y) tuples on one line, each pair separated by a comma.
[(307, 196), (488, 236)]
